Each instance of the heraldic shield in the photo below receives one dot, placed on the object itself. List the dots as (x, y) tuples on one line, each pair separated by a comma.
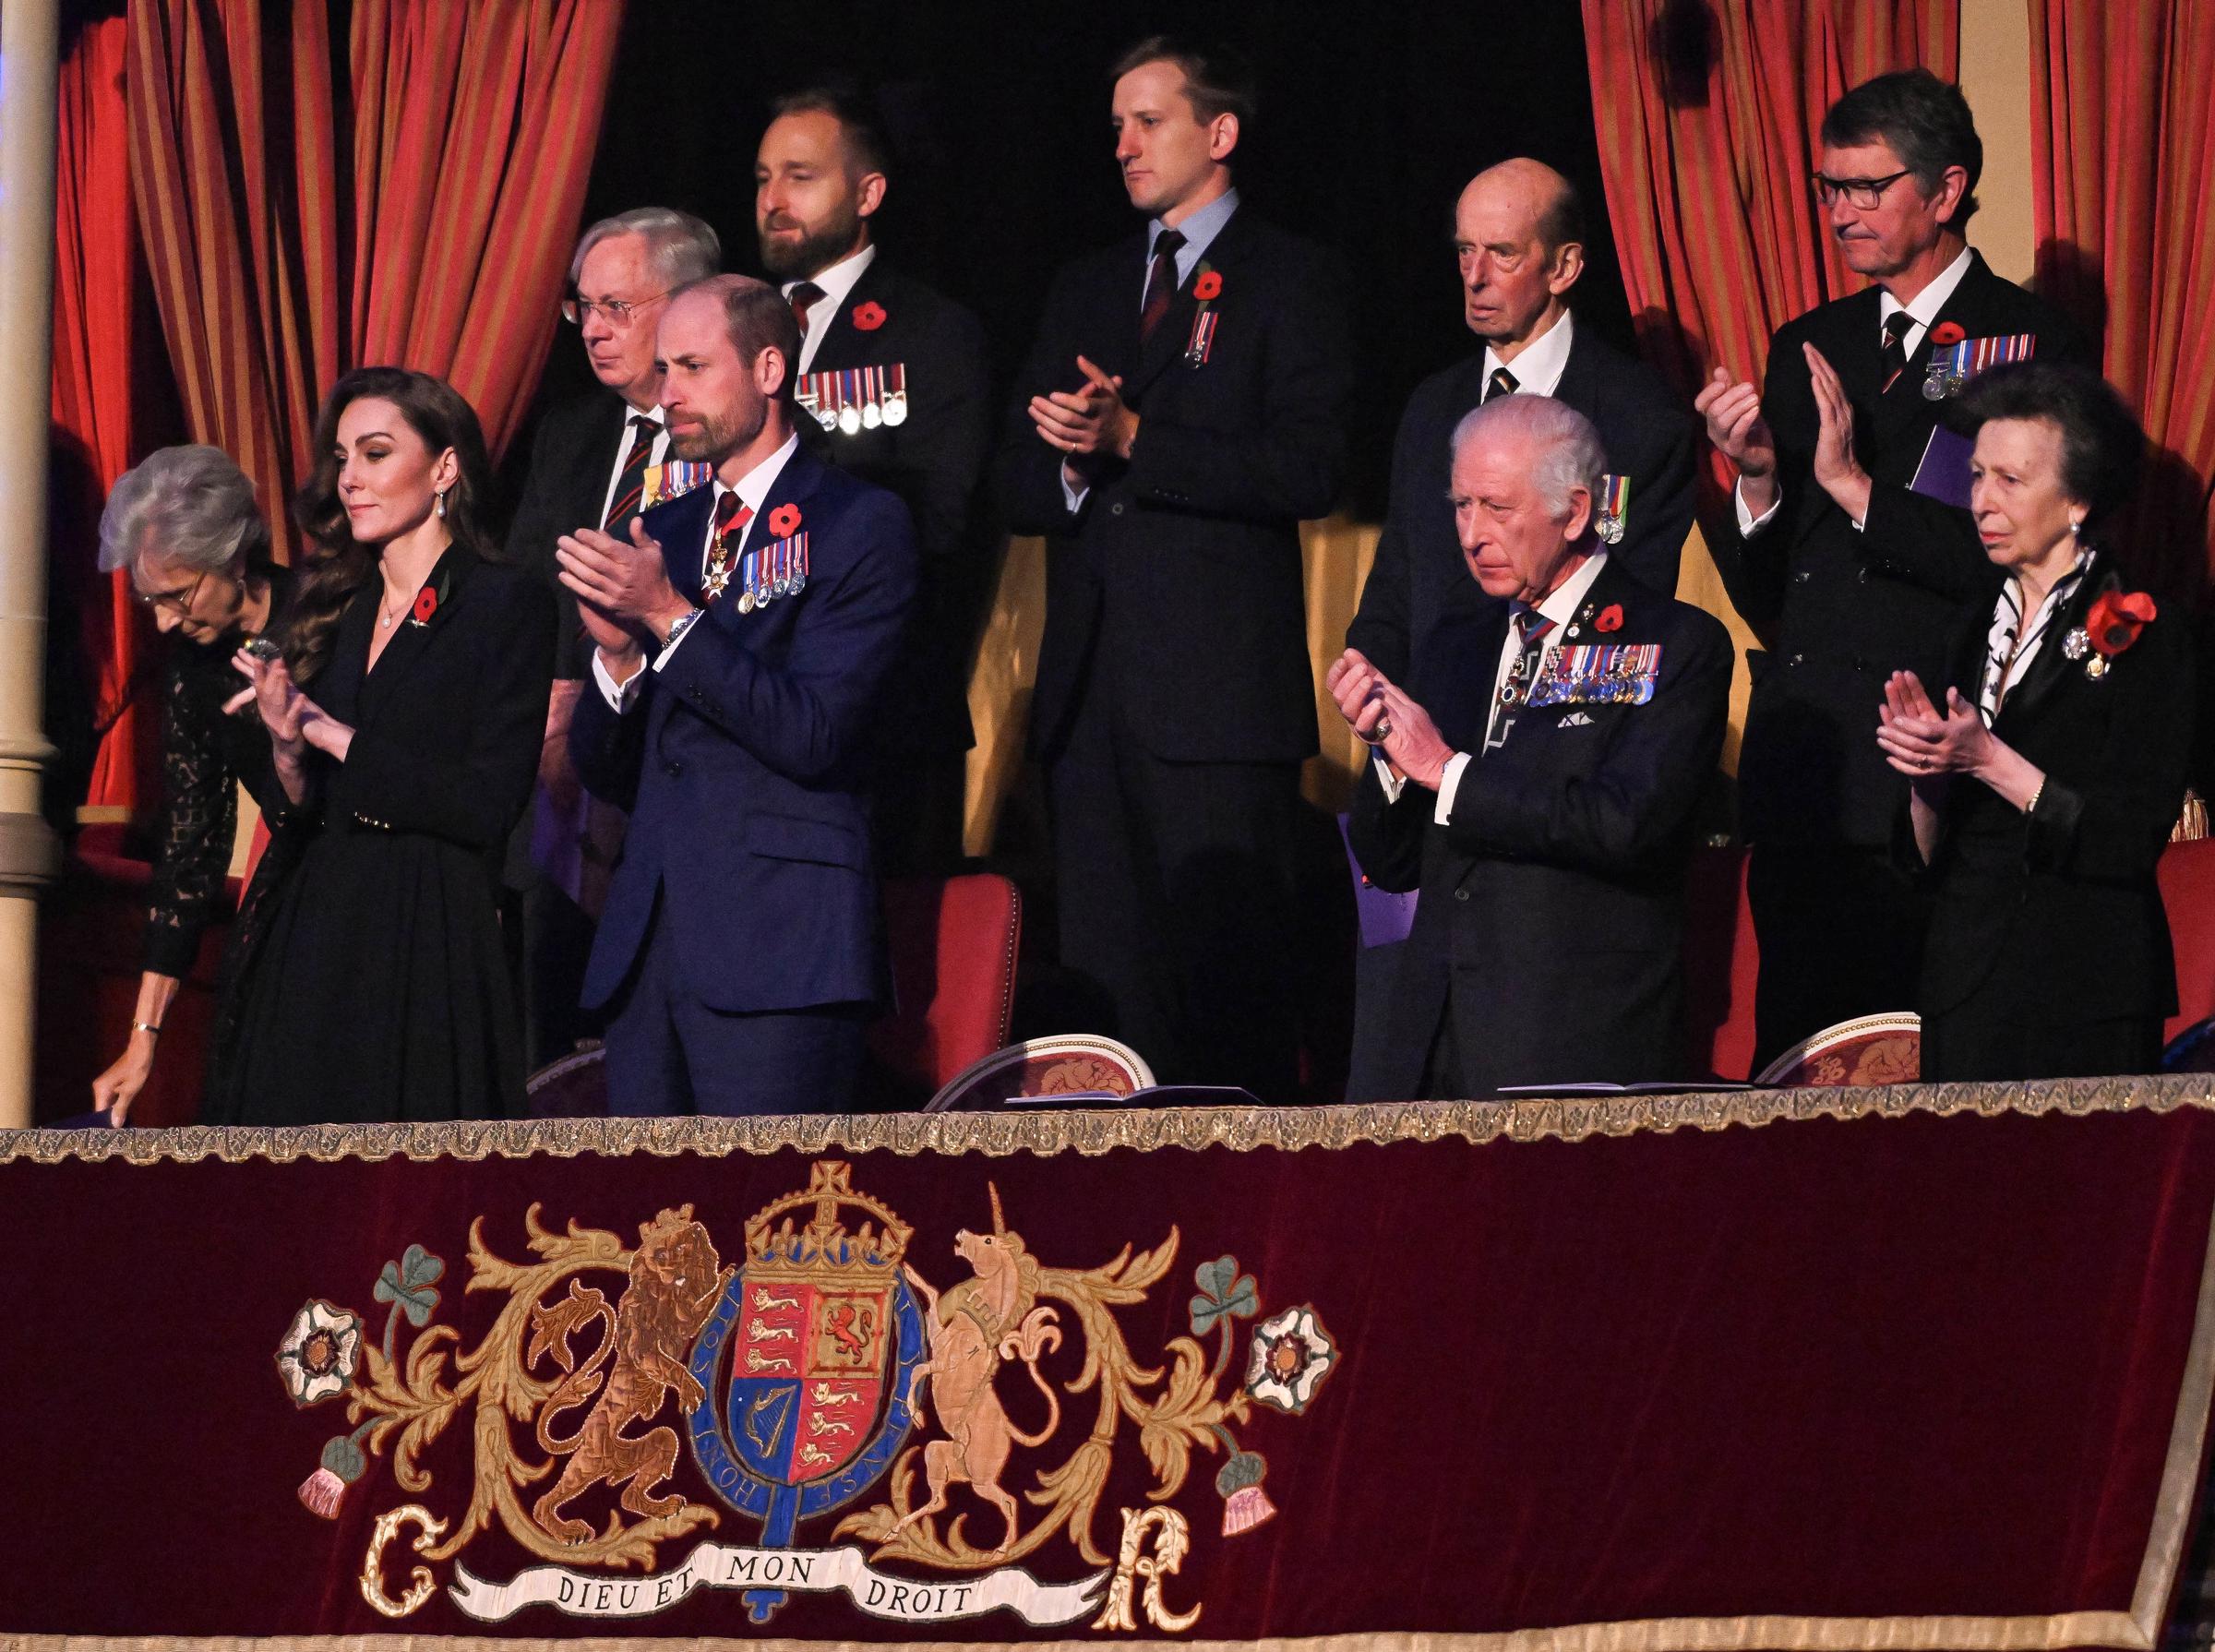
[(808, 1359)]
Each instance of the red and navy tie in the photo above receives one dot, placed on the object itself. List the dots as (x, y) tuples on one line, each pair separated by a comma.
[(631, 487)]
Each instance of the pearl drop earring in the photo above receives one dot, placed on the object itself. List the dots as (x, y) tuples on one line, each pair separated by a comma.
[(442, 505)]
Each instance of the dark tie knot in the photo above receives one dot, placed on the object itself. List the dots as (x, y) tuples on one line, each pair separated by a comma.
[(1501, 383), (804, 297), (1898, 326), (1167, 244), (727, 507)]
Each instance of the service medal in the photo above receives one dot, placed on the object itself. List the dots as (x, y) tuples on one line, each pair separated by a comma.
[(849, 419), (895, 395), (746, 602), (2096, 668), (849, 395), (872, 414), (1934, 387)]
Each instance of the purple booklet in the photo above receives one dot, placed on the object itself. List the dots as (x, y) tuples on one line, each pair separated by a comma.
[(1943, 473), (1385, 917)]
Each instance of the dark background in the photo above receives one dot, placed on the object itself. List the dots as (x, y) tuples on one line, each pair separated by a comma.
[(1372, 119)]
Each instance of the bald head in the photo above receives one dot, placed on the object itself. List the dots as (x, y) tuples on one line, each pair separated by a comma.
[(1519, 235), (728, 346)]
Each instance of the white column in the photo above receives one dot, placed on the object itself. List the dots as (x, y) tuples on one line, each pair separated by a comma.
[(29, 38)]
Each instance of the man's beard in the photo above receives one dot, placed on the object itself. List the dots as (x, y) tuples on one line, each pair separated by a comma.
[(717, 439), (788, 260)]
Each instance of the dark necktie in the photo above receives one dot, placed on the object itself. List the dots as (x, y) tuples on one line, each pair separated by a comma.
[(1898, 325), (1531, 640), (732, 514), (1501, 383), (630, 486), (805, 296), (1161, 284)]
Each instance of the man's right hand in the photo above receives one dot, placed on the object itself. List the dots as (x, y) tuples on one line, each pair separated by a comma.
[(619, 648), (1733, 412)]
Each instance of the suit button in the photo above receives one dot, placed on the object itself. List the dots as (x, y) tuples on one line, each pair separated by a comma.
[(1861, 662), (1802, 577), (693, 693), (1796, 659), (1461, 894), (1116, 509), (1863, 576), (674, 770)]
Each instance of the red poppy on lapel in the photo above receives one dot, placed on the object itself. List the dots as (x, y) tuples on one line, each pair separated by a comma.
[(784, 521), (870, 317), (426, 604), (1947, 332), (1209, 285), (1611, 618), (2116, 619)]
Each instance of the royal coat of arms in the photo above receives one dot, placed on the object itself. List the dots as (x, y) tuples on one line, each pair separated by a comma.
[(822, 1366)]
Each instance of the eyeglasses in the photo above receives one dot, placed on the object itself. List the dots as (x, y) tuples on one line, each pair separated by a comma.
[(576, 311), (176, 601), (1861, 194)]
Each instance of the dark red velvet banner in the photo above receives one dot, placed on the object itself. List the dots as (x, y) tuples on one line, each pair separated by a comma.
[(1686, 1374)]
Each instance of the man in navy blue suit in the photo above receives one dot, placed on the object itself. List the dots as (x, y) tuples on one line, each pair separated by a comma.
[(741, 638)]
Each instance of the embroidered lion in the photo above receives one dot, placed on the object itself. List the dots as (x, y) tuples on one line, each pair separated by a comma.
[(674, 1282)]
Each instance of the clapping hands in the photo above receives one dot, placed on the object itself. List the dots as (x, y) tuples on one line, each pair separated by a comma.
[(1380, 713)]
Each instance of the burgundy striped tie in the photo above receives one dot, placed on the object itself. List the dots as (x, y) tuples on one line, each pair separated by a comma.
[(1161, 284), (631, 487)]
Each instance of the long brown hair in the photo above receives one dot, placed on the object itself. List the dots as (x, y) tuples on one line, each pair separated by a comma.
[(337, 565)]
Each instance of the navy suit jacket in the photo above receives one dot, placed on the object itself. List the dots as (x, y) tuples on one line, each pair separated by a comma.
[(1418, 577), (742, 762), (1550, 923)]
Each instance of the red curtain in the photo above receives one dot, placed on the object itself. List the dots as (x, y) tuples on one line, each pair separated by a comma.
[(473, 133), (95, 265), (1707, 117), (2123, 161)]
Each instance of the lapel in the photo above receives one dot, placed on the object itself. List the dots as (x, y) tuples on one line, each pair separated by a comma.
[(843, 344), (1169, 339), (1458, 692), (1581, 385), (2053, 662), (680, 528), (796, 483), (410, 641)]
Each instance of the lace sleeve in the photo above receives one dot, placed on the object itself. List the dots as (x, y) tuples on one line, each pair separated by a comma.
[(199, 816)]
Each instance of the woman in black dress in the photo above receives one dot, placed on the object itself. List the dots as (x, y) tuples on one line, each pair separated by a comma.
[(184, 524), (2044, 793), (381, 990)]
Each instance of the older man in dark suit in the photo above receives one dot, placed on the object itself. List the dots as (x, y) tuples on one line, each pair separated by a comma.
[(596, 462), (1846, 571), (892, 373), (1184, 408), (742, 636), (1536, 778), (1518, 239)]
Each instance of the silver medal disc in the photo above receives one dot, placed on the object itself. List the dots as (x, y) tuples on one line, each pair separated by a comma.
[(895, 408), (849, 419), (870, 416)]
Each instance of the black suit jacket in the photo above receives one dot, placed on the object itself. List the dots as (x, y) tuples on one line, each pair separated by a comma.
[(1176, 581), (1418, 577), (572, 455), (2061, 903), (1551, 915), (934, 460), (1840, 610)]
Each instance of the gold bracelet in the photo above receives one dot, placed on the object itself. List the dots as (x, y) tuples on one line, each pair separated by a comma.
[(146, 1026)]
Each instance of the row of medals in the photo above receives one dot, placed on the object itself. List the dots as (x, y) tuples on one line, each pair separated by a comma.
[(852, 418), (720, 569), (1618, 686)]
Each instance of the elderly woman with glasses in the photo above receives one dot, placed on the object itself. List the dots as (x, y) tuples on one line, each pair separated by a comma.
[(2047, 774), (184, 525)]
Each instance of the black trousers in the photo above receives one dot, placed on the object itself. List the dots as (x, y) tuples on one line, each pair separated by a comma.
[(1176, 911), (1840, 931)]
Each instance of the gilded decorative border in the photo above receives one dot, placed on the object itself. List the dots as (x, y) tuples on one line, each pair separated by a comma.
[(1095, 1132)]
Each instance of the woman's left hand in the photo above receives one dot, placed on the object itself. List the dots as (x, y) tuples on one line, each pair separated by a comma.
[(292, 719), (1924, 746)]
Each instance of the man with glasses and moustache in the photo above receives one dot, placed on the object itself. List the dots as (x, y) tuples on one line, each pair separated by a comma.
[(1844, 571), (596, 463)]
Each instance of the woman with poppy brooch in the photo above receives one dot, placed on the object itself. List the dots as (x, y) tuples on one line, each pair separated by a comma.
[(2044, 793), (404, 715)]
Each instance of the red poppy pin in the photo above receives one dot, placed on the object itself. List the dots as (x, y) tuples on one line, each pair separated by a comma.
[(870, 317), (1947, 333), (1611, 618), (784, 521), (2111, 626), (426, 604), (1209, 286)]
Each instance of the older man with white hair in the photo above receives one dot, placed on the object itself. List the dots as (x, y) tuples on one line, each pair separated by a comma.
[(1538, 780)]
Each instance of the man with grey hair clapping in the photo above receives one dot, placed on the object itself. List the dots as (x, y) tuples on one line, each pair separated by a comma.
[(1536, 779)]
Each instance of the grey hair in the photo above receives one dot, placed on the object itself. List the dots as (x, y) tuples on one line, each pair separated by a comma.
[(679, 246), (1570, 455), (188, 505)]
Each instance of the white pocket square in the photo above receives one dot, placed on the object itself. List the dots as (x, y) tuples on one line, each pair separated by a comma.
[(1576, 720)]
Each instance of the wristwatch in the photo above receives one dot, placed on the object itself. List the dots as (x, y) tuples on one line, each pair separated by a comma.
[(678, 626)]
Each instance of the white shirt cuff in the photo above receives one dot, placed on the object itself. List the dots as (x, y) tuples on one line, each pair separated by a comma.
[(1748, 523), (619, 696), (1449, 783), (1071, 496), (1394, 784)]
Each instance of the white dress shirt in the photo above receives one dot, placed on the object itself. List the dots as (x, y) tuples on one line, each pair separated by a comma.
[(1538, 367), (659, 456), (2005, 663), (1560, 606), (752, 490), (837, 284), (1923, 309)]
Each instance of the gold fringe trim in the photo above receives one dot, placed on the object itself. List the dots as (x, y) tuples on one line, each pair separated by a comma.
[(1094, 1131)]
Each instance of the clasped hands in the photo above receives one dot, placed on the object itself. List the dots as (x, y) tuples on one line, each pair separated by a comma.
[(1381, 713), (1733, 412), (1090, 424), (623, 591), (1927, 745)]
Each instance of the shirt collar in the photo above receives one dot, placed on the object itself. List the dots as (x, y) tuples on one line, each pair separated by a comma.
[(1569, 596), (657, 412), (1538, 367), (1924, 308), (1199, 231), (836, 282), (753, 487)]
